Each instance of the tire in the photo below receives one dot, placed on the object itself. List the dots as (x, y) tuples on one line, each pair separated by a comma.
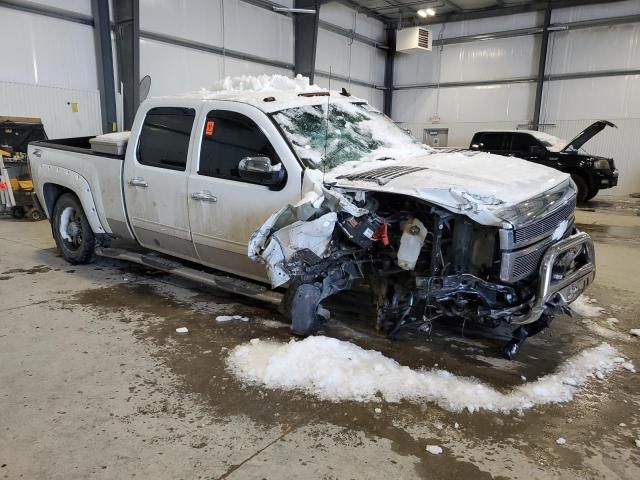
[(77, 243), (592, 193), (35, 215), (583, 188), (17, 212)]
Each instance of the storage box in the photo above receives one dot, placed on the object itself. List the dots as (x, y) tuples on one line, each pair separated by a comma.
[(110, 143)]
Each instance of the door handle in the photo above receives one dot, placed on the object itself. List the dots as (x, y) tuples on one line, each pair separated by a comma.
[(204, 197), (37, 153), (138, 182)]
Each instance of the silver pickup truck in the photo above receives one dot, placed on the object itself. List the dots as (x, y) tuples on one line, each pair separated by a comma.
[(316, 192)]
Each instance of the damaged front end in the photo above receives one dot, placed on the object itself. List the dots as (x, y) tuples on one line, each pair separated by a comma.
[(422, 262)]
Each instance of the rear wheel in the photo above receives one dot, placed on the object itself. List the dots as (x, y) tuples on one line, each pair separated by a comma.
[(583, 188), (71, 230)]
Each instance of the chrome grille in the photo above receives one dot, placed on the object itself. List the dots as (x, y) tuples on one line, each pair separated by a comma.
[(524, 262), (529, 233)]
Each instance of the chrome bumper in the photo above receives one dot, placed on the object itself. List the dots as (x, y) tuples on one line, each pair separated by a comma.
[(561, 292)]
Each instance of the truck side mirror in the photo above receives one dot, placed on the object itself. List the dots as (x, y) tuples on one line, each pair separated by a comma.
[(260, 170)]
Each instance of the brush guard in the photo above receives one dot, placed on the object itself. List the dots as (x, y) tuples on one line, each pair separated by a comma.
[(566, 270)]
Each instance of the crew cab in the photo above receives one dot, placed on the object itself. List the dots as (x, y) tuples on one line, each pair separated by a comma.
[(590, 173), (316, 192)]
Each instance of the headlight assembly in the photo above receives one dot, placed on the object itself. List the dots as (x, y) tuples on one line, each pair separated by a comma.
[(601, 164)]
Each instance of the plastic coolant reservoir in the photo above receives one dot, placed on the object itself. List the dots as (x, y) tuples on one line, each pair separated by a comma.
[(413, 235)]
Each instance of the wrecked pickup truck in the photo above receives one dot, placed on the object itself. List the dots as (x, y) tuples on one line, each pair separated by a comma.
[(358, 203)]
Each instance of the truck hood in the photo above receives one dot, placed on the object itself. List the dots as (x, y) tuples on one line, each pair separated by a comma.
[(477, 184), (587, 134)]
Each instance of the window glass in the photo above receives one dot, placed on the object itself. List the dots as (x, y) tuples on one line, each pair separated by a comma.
[(229, 137), (164, 138), (492, 141), (331, 135), (522, 143)]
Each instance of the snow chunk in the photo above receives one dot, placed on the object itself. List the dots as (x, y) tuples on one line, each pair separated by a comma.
[(612, 321), (635, 331), (629, 366), (638, 442), (377, 410), (65, 216), (262, 84), (584, 307), (182, 330), (228, 318), (435, 449), (561, 441), (336, 370)]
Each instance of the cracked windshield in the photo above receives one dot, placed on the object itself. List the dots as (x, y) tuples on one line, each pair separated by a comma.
[(353, 133)]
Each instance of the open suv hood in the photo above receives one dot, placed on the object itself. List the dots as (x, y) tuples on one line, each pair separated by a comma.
[(587, 134), (477, 184)]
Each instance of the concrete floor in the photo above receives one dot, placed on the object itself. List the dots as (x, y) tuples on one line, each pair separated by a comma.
[(94, 382)]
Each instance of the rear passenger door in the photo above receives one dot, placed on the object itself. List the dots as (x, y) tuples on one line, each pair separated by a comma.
[(225, 209), (524, 146), (492, 142), (155, 180)]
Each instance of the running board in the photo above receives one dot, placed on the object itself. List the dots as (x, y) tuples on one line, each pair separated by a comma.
[(221, 282)]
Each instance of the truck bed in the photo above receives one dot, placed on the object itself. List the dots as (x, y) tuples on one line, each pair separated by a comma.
[(95, 177), (75, 144)]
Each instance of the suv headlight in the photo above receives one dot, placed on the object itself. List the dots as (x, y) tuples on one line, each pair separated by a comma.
[(601, 164)]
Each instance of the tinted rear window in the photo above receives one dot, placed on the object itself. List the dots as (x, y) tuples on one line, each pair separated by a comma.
[(491, 141), (164, 138)]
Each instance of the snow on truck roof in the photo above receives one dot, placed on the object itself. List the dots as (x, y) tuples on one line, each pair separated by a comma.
[(270, 93)]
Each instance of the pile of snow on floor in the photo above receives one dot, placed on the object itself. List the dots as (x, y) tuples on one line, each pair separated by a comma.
[(584, 306), (336, 370)]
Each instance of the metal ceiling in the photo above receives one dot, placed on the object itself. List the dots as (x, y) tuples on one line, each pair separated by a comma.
[(403, 13)]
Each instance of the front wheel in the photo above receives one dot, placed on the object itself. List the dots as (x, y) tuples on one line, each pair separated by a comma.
[(592, 194), (71, 230), (583, 188)]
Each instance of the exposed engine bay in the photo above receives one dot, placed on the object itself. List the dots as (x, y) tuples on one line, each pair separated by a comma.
[(420, 262)]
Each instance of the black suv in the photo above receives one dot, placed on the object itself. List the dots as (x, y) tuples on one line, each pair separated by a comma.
[(589, 172)]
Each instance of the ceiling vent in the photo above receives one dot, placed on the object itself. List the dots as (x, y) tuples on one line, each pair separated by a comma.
[(409, 40)]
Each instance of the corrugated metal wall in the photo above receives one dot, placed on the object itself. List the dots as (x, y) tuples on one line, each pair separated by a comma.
[(349, 57), (247, 28), (256, 31), (47, 64), (48, 60), (568, 105), (54, 106)]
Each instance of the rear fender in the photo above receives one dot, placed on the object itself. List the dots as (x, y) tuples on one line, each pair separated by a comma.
[(69, 180)]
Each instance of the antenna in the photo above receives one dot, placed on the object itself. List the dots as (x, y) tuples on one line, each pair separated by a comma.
[(326, 129)]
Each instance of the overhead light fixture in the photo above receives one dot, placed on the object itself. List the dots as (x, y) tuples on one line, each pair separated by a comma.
[(426, 12), (293, 10)]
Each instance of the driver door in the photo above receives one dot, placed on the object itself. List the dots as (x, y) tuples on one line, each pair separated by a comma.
[(225, 209)]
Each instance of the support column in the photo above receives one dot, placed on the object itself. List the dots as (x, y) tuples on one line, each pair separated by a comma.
[(305, 27), (104, 63), (127, 24), (541, 67), (388, 71)]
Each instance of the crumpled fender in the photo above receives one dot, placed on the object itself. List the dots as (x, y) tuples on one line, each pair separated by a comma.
[(308, 224)]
